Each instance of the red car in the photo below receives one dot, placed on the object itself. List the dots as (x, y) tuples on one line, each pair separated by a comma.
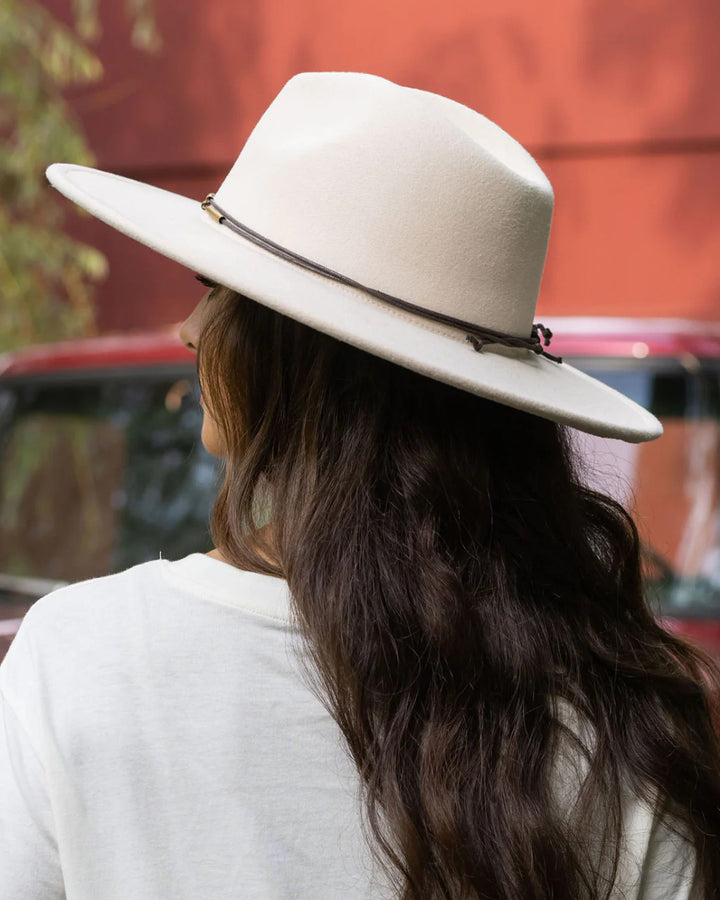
[(101, 466)]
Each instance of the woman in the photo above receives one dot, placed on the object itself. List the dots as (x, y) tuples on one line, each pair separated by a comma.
[(419, 662)]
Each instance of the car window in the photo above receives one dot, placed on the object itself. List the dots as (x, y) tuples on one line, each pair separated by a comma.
[(672, 485), (101, 473)]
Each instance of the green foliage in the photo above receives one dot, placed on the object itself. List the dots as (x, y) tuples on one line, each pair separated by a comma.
[(46, 278)]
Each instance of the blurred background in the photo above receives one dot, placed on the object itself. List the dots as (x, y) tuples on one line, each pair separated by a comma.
[(617, 101), (100, 465)]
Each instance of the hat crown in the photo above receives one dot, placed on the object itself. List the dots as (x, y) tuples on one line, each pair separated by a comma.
[(354, 204), (405, 191)]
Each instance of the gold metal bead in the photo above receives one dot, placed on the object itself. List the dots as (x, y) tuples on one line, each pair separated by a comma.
[(208, 208)]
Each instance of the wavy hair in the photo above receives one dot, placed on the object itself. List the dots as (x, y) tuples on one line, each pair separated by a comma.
[(458, 588)]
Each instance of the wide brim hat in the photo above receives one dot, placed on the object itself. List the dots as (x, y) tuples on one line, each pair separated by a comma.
[(391, 218)]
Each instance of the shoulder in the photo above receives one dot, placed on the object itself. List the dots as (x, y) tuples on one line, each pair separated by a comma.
[(71, 649), (78, 637), (98, 598), (72, 622)]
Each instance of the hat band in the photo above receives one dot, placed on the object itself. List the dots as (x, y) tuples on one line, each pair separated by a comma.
[(476, 334)]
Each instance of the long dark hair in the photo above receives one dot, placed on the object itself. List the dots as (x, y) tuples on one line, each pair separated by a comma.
[(473, 615)]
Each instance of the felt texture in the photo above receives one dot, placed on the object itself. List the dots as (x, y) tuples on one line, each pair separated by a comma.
[(403, 191)]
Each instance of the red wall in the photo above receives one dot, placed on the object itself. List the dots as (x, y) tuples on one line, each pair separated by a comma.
[(618, 101)]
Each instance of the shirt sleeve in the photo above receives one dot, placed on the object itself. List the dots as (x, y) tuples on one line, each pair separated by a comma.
[(29, 859), (669, 872)]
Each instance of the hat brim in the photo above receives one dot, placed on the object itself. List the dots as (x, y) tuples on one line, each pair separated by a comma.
[(177, 227)]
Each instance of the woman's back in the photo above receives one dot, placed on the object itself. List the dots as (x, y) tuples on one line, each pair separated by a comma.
[(178, 745), (159, 719)]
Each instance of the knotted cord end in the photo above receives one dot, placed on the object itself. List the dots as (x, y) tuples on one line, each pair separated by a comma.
[(539, 335), (539, 329), (476, 342)]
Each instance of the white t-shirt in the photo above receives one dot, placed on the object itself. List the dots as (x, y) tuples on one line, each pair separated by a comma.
[(157, 740)]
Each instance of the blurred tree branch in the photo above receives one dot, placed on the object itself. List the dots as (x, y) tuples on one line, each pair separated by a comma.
[(47, 278)]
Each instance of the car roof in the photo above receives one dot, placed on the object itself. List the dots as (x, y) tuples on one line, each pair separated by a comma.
[(601, 336), (589, 336), (132, 349)]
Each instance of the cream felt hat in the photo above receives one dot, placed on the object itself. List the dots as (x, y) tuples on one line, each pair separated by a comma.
[(394, 219)]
